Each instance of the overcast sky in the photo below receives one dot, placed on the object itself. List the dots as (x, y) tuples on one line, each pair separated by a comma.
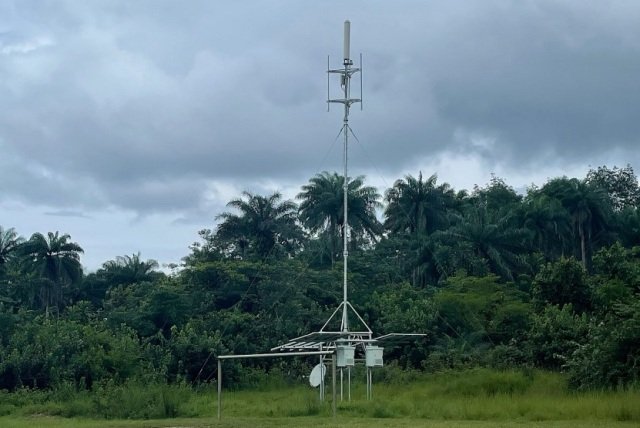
[(130, 124)]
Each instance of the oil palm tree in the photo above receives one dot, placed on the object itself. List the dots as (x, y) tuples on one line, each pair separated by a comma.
[(479, 237), (589, 207), (55, 261), (264, 226), (322, 209), (129, 269), (549, 223), (417, 205), (9, 245), (416, 208)]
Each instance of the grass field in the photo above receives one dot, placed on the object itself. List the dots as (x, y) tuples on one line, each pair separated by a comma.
[(54, 422), (474, 398)]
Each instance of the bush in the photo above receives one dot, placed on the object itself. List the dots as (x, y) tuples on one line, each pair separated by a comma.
[(555, 334), (561, 283), (610, 356), (509, 356)]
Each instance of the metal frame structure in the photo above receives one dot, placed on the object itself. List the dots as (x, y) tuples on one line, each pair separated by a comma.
[(342, 343), (346, 338)]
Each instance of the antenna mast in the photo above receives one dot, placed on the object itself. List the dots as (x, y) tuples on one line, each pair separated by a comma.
[(342, 344), (348, 338), (345, 83)]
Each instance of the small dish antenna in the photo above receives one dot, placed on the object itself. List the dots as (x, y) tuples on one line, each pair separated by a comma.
[(317, 374)]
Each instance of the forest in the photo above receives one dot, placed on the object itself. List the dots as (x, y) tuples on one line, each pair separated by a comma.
[(546, 278)]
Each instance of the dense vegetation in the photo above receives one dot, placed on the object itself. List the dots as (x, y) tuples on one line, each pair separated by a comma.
[(549, 279)]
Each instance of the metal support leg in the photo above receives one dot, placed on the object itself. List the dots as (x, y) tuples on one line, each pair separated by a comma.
[(219, 389), (333, 380), (322, 378), (349, 383), (341, 377), (367, 379)]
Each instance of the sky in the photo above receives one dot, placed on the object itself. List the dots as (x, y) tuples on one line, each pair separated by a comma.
[(130, 124)]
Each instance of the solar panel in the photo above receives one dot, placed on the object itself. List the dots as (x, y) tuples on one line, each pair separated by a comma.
[(324, 339), (394, 339)]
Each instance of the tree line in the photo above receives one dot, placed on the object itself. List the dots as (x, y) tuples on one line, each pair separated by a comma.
[(549, 278)]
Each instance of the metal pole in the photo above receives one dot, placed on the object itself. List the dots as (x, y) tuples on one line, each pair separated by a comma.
[(341, 377), (368, 385), (349, 382), (333, 380), (321, 377), (345, 230), (219, 389), (274, 354)]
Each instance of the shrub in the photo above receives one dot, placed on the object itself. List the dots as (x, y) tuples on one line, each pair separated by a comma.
[(610, 356)]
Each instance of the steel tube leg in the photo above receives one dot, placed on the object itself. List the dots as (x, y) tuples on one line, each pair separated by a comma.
[(349, 382), (333, 380), (219, 389), (322, 378)]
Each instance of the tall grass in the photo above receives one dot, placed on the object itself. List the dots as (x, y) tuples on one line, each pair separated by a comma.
[(478, 394), (129, 401)]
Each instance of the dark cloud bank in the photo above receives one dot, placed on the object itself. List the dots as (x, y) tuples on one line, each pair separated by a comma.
[(143, 105)]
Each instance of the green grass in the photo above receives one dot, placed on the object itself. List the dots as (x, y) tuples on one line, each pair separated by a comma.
[(472, 398), (55, 422), (479, 395)]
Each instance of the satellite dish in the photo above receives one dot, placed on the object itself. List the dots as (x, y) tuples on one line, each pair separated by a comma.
[(317, 374)]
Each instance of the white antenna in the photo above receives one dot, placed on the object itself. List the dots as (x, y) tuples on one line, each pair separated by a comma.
[(347, 41)]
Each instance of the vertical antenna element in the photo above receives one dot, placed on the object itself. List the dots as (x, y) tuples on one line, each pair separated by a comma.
[(361, 97), (328, 94), (347, 40)]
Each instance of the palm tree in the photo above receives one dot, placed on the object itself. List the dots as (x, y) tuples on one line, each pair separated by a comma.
[(322, 209), (265, 226), (549, 223), (56, 262), (481, 238), (9, 244), (430, 261), (417, 205), (589, 207), (416, 208), (129, 269)]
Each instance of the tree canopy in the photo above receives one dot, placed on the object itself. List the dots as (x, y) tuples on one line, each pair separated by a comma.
[(543, 278)]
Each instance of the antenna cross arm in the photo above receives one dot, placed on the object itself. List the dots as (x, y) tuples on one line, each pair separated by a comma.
[(343, 101), (349, 71)]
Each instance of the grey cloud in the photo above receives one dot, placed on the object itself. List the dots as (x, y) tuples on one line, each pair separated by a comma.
[(139, 104), (565, 87), (64, 213)]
